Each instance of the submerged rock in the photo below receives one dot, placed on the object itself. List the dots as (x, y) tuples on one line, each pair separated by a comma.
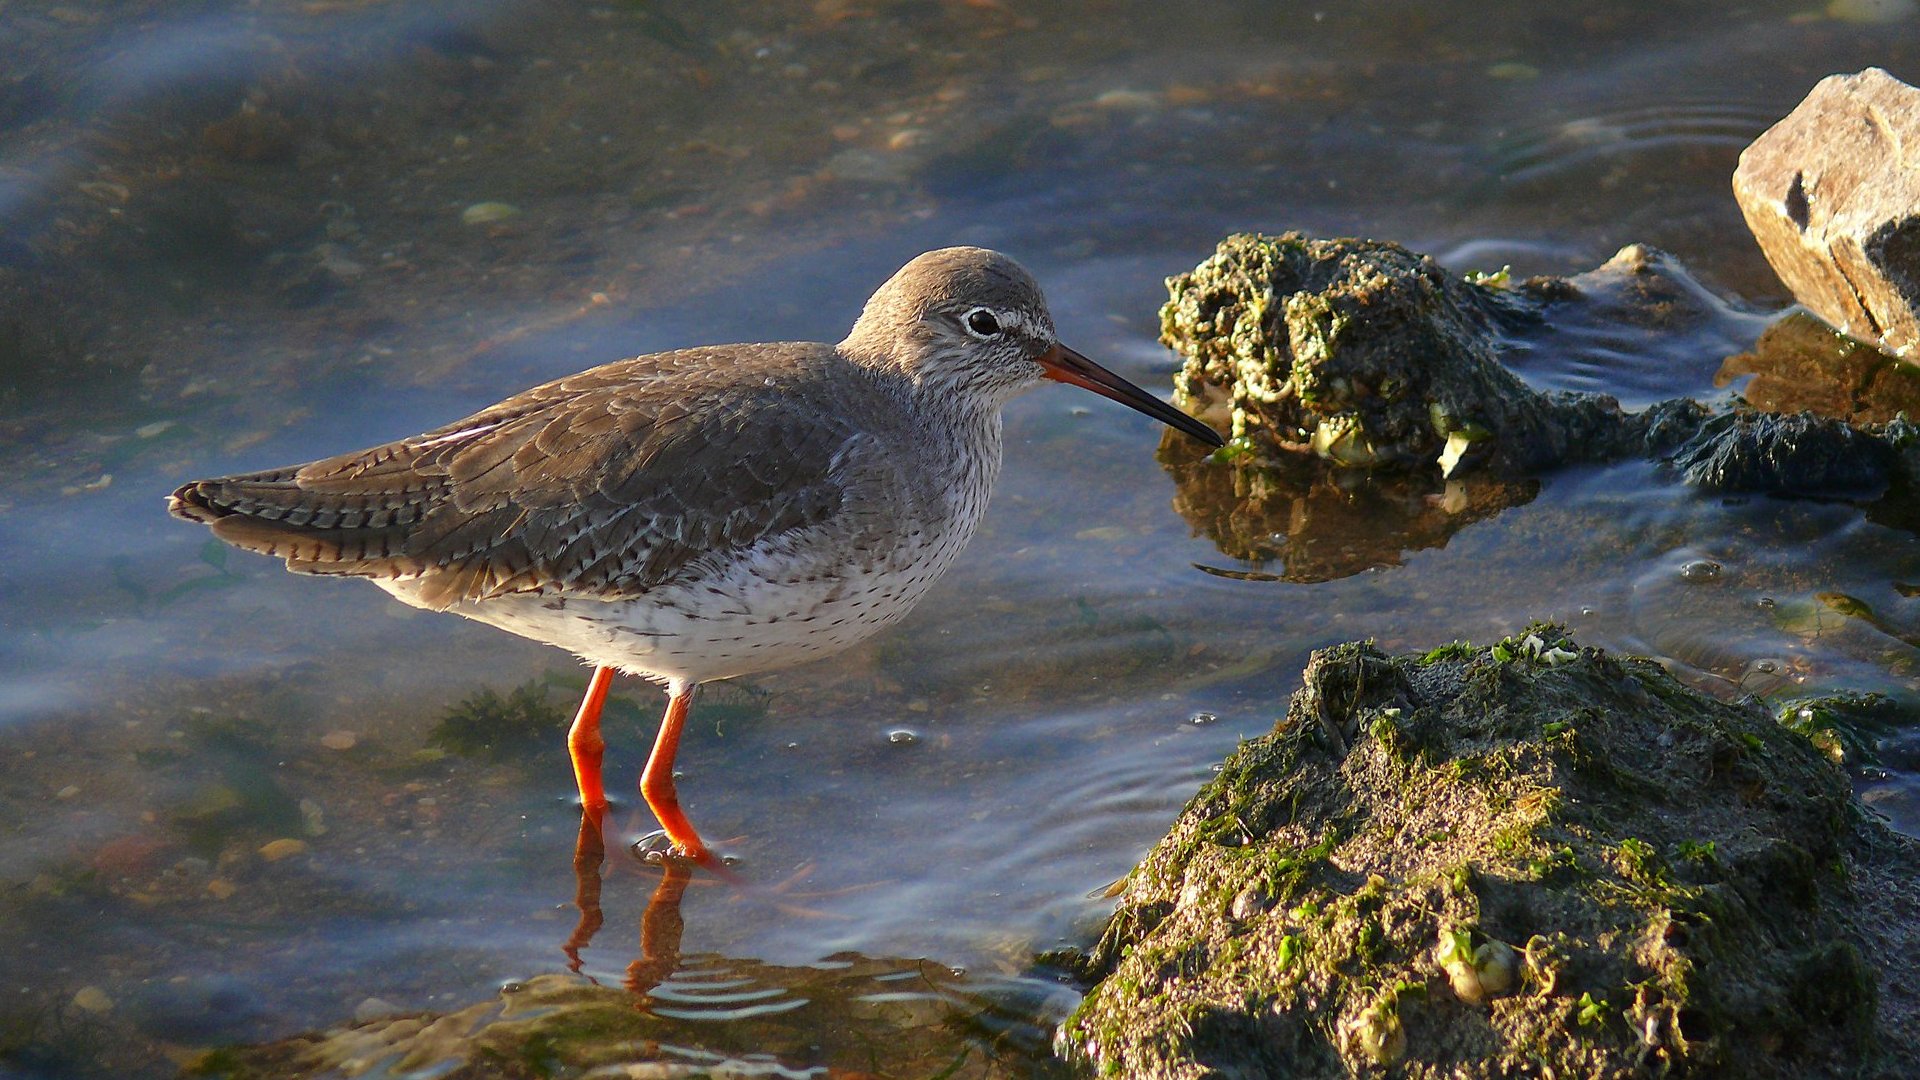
[(1796, 454), (724, 1019), (1832, 195), (1531, 859)]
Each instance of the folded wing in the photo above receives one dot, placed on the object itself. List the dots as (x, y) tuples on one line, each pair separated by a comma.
[(607, 483)]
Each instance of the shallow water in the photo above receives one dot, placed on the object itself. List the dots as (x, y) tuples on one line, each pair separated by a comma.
[(237, 236)]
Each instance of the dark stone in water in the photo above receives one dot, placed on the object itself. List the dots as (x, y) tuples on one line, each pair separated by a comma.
[(1798, 454)]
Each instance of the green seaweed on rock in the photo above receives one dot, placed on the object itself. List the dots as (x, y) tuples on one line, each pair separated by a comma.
[(1456, 865)]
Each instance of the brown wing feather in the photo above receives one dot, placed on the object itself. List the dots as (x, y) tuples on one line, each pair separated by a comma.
[(607, 482)]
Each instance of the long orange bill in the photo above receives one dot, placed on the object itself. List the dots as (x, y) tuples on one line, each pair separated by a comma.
[(1065, 365)]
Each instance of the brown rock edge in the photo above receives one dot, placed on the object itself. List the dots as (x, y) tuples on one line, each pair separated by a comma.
[(1832, 193)]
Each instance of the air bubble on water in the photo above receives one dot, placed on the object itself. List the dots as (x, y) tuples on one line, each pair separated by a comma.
[(1700, 570)]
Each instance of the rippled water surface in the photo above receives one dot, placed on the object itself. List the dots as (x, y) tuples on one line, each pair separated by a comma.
[(234, 236)]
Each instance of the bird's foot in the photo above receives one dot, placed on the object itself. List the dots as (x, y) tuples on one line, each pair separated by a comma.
[(659, 846)]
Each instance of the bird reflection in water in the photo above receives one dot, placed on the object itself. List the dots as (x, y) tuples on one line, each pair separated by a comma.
[(661, 925)]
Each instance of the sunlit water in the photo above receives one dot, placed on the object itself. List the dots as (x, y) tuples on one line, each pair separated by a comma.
[(255, 235)]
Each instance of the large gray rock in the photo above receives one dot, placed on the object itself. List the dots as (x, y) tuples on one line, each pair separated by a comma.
[(1832, 193)]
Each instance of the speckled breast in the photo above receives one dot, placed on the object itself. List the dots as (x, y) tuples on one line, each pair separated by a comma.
[(802, 597)]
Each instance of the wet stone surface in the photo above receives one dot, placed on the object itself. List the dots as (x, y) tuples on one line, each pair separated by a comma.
[(1367, 356), (1532, 856), (1830, 195), (716, 1017)]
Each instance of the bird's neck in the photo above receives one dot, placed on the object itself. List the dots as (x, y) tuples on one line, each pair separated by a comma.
[(963, 428)]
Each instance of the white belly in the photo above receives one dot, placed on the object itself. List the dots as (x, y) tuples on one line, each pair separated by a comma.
[(756, 613)]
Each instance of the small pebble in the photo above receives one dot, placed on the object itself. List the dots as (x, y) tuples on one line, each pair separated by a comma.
[(339, 740), (373, 1009), (67, 792), (221, 888), (100, 484), (1513, 70), (105, 191), (157, 428), (285, 847), (865, 166), (92, 999), (919, 705), (313, 818), (1249, 903), (1128, 100), (334, 260), (487, 213), (903, 737)]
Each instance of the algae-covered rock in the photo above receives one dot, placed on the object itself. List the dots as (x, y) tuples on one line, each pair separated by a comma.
[(1367, 354), (1793, 454), (1361, 355), (1531, 859)]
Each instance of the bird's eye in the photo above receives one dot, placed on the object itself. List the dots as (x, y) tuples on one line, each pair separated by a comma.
[(981, 323)]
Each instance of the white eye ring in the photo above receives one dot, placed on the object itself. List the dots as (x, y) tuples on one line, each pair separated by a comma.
[(981, 323)]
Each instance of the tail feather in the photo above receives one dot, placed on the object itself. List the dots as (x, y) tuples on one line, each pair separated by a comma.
[(272, 514)]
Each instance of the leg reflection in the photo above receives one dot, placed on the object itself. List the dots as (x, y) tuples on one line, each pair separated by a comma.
[(589, 854), (660, 929), (661, 926)]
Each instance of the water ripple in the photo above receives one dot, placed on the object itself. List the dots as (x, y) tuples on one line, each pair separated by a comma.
[(1580, 143)]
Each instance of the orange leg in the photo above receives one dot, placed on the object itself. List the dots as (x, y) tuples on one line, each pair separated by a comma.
[(585, 745), (656, 784)]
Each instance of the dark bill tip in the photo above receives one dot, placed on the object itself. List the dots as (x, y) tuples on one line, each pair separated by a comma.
[(1065, 365)]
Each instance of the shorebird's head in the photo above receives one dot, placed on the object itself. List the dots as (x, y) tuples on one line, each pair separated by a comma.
[(969, 321)]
